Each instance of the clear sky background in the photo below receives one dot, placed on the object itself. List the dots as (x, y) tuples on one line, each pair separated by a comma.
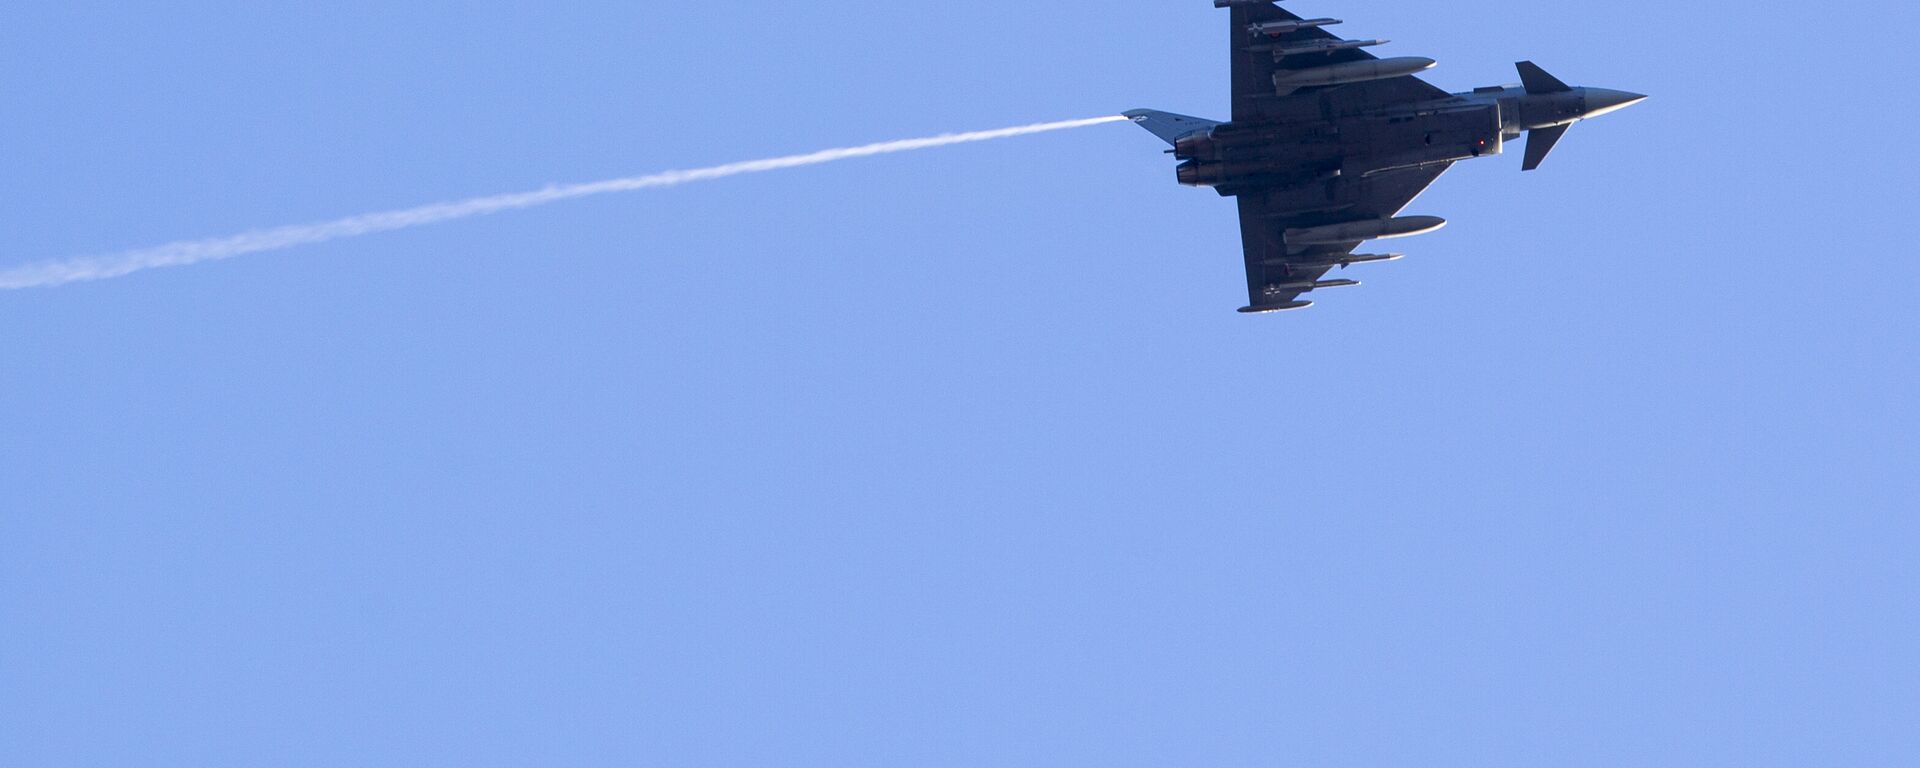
[(954, 458)]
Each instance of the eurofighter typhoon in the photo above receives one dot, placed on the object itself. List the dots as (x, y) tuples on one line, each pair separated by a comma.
[(1328, 144)]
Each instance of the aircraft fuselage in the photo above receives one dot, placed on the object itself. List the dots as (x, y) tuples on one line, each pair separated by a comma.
[(1330, 142)]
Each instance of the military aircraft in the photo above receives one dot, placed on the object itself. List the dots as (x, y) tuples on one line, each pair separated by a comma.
[(1328, 144)]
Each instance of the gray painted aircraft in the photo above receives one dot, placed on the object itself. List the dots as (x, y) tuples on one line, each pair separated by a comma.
[(1328, 144)]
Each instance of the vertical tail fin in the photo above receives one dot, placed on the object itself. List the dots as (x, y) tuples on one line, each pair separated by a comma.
[(1167, 125)]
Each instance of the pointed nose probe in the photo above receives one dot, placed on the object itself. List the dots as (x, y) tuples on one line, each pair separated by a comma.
[(1601, 101)]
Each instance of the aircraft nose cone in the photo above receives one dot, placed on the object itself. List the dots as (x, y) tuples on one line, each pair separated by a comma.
[(1601, 101)]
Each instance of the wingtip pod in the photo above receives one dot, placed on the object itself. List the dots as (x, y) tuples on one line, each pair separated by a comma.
[(1274, 308)]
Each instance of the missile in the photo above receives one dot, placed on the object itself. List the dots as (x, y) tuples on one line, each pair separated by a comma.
[(1343, 262), (1232, 3), (1289, 80), (1358, 231), (1272, 308), (1278, 28), (1323, 46), (1309, 286)]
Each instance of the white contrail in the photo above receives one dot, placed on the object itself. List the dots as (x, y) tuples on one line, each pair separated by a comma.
[(195, 251)]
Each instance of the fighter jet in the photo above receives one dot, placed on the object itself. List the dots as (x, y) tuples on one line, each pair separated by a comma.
[(1328, 144)]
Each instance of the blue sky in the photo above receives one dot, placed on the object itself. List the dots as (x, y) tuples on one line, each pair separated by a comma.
[(952, 458)]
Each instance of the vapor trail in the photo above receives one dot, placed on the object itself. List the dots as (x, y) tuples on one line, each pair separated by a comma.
[(182, 253)]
